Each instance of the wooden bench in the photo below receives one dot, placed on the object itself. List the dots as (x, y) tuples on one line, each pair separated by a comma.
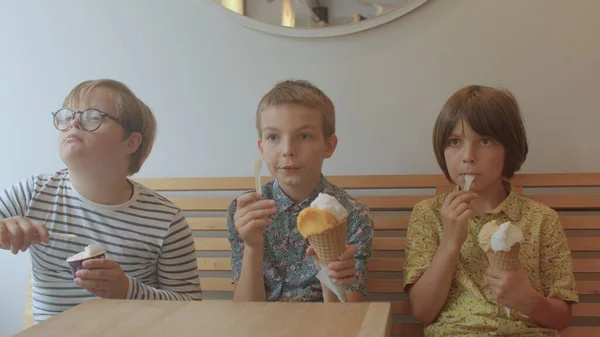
[(391, 198)]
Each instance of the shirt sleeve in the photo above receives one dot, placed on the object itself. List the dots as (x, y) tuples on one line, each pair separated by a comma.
[(236, 243), (360, 234), (556, 266)]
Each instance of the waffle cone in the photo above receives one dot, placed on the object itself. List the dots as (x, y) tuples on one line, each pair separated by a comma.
[(505, 261), (330, 244)]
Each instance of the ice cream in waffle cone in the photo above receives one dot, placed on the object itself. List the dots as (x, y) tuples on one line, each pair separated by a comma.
[(324, 223), (502, 244)]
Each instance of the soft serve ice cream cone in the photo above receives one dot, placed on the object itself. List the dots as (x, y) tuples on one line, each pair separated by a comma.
[(324, 224), (502, 244)]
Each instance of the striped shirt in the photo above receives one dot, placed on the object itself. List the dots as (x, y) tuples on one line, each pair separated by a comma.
[(148, 236)]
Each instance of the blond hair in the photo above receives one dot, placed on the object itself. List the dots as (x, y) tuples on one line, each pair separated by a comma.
[(489, 112), (134, 115), (302, 93)]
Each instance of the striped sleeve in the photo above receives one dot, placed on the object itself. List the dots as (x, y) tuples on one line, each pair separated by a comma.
[(177, 268), (15, 199)]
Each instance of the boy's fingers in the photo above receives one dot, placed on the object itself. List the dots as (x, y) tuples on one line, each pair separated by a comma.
[(247, 198)]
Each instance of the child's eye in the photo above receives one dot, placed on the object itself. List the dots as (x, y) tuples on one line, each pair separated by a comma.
[(271, 137), (486, 142), (304, 136), (454, 142)]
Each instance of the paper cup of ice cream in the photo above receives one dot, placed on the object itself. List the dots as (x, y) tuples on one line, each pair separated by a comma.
[(90, 252)]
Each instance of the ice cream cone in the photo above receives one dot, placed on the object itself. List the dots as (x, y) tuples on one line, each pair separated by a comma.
[(505, 261), (330, 244)]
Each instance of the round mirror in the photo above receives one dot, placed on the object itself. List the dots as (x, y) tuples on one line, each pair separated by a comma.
[(315, 18)]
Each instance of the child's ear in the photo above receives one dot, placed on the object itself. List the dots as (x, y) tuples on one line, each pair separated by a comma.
[(134, 141), (330, 145), (260, 147)]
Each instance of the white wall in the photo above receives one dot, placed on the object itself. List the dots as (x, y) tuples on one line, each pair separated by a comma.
[(201, 73)]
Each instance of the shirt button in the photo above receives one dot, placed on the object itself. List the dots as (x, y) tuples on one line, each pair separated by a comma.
[(296, 209), (292, 268)]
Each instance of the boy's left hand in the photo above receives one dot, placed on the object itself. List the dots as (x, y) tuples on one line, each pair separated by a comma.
[(341, 272), (103, 278), (511, 288)]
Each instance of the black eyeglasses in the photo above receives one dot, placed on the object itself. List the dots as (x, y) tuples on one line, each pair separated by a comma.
[(89, 119)]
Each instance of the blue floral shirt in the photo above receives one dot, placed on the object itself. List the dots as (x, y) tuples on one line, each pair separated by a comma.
[(289, 274)]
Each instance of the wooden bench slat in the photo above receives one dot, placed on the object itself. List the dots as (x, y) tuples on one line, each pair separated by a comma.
[(385, 264), (576, 244), (214, 264), (580, 221), (391, 222), (581, 331), (556, 179), (398, 202), (407, 329), (571, 201), (246, 183), (381, 285), (579, 310), (369, 181), (373, 202), (207, 223), (416, 330)]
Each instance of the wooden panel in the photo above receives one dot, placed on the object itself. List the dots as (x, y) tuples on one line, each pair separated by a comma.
[(580, 221), (384, 264), (373, 286), (389, 181), (206, 244), (407, 329), (581, 331), (576, 244), (416, 329), (579, 310), (584, 244), (391, 202), (392, 222), (570, 201), (586, 265), (588, 287), (222, 244), (373, 202), (200, 184), (383, 222), (369, 181), (557, 180), (203, 203), (216, 284), (247, 183), (208, 223), (388, 243), (214, 264)]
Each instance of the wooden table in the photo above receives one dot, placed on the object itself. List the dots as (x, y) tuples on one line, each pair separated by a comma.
[(216, 318)]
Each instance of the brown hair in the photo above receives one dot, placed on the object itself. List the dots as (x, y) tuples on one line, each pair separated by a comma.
[(134, 114), (302, 93), (489, 112)]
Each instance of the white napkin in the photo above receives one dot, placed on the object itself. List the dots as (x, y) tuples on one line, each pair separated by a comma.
[(338, 290)]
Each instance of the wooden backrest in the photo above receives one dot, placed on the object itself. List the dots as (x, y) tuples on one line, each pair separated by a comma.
[(391, 198)]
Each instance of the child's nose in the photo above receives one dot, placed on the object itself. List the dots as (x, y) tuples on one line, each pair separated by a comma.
[(468, 154), (288, 149)]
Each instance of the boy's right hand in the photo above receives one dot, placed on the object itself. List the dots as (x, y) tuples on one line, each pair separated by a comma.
[(251, 218), (455, 213), (18, 233)]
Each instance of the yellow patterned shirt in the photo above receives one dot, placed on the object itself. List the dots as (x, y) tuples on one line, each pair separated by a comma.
[(470, 309)]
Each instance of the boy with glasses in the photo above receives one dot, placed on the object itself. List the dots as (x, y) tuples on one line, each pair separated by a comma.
[(106, 133)]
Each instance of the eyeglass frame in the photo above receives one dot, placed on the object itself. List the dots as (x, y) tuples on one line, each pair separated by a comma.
[(80, 113)]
